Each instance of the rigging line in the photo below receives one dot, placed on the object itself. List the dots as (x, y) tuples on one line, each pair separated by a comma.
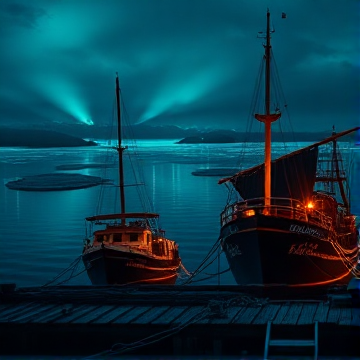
[(108, 156), (282, 94), (139, 174), (219, 273), (250, 121)]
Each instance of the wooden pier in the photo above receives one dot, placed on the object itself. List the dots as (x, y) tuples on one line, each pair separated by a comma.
[(174, 320)]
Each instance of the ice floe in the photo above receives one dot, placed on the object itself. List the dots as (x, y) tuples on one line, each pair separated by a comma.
[(55, 182), (82, 166)]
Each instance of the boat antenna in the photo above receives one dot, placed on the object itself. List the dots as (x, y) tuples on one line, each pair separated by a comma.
[(267, 118), (120, 150)]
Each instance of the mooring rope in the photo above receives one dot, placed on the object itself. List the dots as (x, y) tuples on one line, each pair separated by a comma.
[(73, 267)]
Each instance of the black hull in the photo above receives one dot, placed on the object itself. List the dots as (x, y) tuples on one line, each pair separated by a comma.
[(267, 250), (106, 266)]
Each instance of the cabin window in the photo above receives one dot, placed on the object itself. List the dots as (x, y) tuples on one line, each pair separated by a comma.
[(117, 237), (102, 238), (134, 237)]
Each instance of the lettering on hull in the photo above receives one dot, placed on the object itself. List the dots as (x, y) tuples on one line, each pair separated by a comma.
[(309, 249), (233, 250), (302, 229), (134, 264)]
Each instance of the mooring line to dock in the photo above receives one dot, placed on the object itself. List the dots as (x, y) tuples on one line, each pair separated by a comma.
[(204, 264), (72, 267), (150, 339), (215, 308)]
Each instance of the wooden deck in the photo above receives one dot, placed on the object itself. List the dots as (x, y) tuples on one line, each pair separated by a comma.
[(172, 320)]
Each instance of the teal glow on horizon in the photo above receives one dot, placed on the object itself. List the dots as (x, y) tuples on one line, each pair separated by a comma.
[(188, 90), (64, 95), (88, 122)]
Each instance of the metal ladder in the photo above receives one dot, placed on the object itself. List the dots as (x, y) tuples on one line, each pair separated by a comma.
[(291, 342)]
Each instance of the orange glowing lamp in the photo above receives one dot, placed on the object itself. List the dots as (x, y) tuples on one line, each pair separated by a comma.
[(248, 213), (310, 205)]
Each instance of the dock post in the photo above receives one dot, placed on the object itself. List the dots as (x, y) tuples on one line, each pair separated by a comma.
[(217, 347), (177, 345)]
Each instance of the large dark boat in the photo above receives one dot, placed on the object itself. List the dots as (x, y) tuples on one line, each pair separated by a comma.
[(128, 248), (291, 222)]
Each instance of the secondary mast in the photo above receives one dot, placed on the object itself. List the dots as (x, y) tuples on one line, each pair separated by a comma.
[(120, 150), (268, 118)]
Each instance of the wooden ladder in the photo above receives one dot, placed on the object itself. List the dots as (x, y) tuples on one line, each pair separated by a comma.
[(291, 342)]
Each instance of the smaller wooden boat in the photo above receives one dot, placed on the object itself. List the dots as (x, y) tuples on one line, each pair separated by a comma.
[(128, 248)]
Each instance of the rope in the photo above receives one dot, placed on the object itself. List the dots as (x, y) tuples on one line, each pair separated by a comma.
[(207, 261), (214, 308), (72, 267)]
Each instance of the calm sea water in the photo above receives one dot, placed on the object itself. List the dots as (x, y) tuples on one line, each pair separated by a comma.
[(41, 233)]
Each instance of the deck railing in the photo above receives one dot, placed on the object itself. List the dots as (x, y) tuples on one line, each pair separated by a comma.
[(279, 207)]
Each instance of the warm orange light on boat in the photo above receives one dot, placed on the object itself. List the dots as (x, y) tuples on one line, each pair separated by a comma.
[(310, 205), (248, 213), (323, 282)]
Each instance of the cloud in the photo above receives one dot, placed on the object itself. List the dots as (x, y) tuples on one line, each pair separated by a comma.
[(23, 15), (182, 62)]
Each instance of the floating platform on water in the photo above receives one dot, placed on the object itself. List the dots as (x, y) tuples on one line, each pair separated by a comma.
[(174, 320)]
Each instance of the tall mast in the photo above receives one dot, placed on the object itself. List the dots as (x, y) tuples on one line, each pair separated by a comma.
[(120, 149), (268, 118)]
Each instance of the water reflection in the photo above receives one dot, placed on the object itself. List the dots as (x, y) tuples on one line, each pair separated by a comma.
[(42, 232)]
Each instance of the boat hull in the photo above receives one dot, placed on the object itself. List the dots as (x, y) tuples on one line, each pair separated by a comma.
[(267, 250), (110, 266)]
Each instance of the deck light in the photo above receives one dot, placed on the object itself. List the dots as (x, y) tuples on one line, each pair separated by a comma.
[(310, 205), (248, 213)]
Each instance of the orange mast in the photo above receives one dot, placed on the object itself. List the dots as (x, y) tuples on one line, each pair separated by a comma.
[(268, 118)]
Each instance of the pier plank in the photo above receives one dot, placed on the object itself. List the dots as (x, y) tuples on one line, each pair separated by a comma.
[(192, 313), (292, 315), (333, 315), (238, 314), (6, 314), (33, 314), (267, 313), (93, 315), (48, 315), (112, 315), (307, 313), (232, 312), (170, 315), (248, 316), (131, 315), (76, 313), (4, 307), (321, 313), (345, 316), (281, 313), (151, 315)]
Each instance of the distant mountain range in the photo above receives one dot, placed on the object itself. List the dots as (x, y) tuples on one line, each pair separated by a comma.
[(144, 131), (57, 135), (36, 138)]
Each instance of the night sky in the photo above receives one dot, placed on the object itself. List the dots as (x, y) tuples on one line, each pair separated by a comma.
[(180, 62)]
